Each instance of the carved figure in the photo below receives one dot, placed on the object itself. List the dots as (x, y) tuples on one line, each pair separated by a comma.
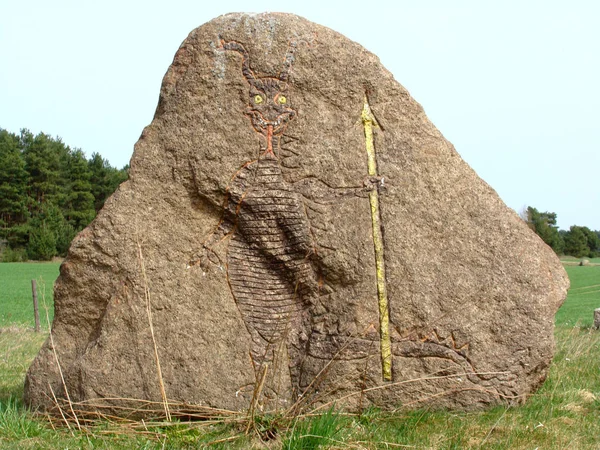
[(272, 266), (268, 256)]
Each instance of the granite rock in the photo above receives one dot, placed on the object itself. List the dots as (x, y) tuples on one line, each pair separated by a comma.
[(246, 225)]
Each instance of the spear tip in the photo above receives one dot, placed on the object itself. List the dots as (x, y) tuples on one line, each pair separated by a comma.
[(367, 115)]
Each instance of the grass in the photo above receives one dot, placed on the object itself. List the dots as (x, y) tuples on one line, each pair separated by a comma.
[(320, 431), (16, 304), (583, 297), (563, 414)]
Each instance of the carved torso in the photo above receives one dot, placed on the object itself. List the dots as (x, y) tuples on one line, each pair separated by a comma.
[(267, 258)]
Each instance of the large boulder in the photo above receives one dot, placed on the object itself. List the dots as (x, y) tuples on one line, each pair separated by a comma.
[(261, 254)]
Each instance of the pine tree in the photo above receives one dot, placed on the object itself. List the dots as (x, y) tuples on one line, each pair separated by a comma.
[(544, 225), (48, 192), (576, 243), (42, 156), (105, 179), (49, 233), (78, 203), (13, 183), (593, 242)]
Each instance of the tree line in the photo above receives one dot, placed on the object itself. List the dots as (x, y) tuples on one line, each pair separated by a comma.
[(578, 241), (48, 193)]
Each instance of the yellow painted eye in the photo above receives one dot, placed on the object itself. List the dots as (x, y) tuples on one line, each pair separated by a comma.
[(282, 100), (258, 99)]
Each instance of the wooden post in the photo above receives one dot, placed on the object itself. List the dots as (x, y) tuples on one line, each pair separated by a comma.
[(36, 311)]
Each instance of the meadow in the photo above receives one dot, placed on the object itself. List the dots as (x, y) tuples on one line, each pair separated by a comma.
[(16, 305), (563, 414)]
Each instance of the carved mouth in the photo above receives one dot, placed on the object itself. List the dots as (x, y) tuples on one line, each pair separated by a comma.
[(261, 124)]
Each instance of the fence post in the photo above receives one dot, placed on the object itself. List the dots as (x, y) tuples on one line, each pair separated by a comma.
[(36, 311)]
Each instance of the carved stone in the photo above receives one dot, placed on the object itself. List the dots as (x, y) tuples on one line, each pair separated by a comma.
[(301, 232)]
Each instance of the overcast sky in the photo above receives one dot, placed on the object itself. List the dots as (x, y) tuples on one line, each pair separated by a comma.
[(514, 85)]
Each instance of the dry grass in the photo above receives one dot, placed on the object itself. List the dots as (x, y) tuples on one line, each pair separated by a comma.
[(161, 382)]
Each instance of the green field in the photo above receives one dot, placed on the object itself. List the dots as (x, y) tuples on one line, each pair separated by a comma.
[(563, 414), (583, 297), (16, 304)]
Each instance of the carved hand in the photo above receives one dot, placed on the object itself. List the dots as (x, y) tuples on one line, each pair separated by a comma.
[(373, 182)]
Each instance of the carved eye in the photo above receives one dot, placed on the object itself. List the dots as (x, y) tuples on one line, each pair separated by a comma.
[(282, 100), (258, 99)]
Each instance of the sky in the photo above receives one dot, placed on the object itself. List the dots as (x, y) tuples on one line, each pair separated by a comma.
[(514, 85)]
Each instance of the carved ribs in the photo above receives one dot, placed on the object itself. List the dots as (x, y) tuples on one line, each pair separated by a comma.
[(267, 256)]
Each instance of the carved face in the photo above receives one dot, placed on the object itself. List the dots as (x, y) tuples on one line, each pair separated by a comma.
[(269, 104)]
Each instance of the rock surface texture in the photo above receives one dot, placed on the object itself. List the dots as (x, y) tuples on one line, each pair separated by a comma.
[(249, 227)]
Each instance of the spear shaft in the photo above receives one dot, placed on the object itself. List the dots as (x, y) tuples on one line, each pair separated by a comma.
[(369, 123)]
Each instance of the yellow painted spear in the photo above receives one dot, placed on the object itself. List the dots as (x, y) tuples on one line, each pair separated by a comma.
[(369, 123)]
